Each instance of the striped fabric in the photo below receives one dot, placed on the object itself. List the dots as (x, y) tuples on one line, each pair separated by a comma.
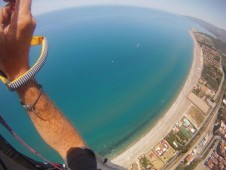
[(33, 70)]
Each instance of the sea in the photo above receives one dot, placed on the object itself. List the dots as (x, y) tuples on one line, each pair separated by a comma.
[(112, 70)]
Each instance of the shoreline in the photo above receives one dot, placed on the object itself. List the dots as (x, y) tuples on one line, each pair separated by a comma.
[(177, 109)]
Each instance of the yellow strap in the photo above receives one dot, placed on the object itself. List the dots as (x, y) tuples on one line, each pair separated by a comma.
[(36, 40)]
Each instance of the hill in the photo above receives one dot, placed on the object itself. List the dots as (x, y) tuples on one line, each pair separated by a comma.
[(218, 32)]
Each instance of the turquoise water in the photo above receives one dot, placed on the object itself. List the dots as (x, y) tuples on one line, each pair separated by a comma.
[(111, 70)]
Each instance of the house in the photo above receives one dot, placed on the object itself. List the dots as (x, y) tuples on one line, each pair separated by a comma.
[(152, 156), (205, 89), (222, 129), (175, 144), (165, 144), (209, 164), (186, 122), (192, 130), (224, 101), (202, 81), (176, 129), (188, 158), (210, 102)]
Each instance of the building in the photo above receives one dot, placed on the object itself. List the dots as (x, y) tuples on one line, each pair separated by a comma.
[(209, 164), (222, 129), (202, 81), (224, 101), (204, 89), (165, 144), (203, 142), (175, 144), (188, 158), (164, 151), (155, 160), (217, 160), (210, 102)]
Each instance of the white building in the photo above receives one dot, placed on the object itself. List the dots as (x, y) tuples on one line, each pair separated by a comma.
[(224, 101)]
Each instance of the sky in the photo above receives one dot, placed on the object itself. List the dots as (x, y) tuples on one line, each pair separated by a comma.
[(212, 11)]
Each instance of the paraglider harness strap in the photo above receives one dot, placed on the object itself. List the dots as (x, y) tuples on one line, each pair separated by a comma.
[(10, 130), (24, 78)]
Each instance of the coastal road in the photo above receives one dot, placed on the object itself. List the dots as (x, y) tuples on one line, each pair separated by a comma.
[(201, 165), (222, 81), (208, 130)]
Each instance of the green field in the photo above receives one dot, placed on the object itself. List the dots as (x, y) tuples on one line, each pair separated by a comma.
[(178, 138), (185, 133)]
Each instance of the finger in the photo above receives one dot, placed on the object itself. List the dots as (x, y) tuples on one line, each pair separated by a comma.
[(1, 20), (6, 15), (23, 6), (21, 14), (9, 0)]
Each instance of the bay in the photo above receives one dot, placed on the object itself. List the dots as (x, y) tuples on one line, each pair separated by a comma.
[(112, 70)]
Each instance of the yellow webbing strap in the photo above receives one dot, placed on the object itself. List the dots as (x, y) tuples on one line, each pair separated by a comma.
[(36, 40)]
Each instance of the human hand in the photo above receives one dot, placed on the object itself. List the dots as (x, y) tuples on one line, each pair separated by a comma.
[(16, 31)]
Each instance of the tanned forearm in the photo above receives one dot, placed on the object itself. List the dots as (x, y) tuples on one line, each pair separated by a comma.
[(17, 26), (53, 127)]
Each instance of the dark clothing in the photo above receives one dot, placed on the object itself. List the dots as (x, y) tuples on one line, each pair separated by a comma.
[(86, 159), (77, 159)]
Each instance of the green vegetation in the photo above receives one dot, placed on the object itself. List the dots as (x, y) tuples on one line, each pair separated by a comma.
[(185, 133), (177, 138), (221, 47), (222, 114), (198, 93), (224, 62), (181, 136), (216, 58), (181, 166), (193, 164), (212, 75), (145, 162)]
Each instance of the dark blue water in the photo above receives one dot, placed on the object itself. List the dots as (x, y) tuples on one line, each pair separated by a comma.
[(111, 70)]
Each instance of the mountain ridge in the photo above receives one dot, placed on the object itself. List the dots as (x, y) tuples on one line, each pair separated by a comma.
[(218, 32)]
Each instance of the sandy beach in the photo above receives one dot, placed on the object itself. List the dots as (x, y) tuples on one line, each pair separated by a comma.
[(166, 122)]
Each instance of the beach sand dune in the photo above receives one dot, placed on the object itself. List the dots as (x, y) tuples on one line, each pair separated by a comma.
[(165, 123)]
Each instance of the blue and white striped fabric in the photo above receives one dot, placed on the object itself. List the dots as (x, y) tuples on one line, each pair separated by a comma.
[(33, 70)]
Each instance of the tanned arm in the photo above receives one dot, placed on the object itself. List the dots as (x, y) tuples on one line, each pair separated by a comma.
[(16, 31), (51, 124)]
